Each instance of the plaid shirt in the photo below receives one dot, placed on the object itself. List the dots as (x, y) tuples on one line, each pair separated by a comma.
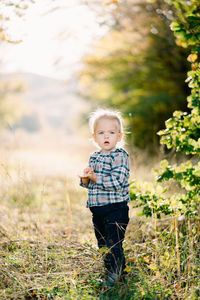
[(112, 172)]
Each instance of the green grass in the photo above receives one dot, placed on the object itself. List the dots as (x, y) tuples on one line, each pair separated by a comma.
[(48, 249)]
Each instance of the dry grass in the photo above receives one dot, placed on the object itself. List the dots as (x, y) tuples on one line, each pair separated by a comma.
[(47, 246), (45, 240), (45, 228)]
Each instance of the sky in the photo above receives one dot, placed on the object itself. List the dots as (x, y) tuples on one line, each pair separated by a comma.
[(55, 35)]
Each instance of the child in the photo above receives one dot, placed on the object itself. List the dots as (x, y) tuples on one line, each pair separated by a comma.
[(106, 178)]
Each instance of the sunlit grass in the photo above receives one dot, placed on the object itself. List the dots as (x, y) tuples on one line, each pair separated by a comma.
[(48, 249)]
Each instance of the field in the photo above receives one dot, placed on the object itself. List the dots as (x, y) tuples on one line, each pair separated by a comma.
[(47, 246)]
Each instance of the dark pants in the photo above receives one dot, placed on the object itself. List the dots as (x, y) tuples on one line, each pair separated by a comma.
[(110, 222)]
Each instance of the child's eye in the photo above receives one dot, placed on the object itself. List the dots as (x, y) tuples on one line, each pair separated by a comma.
[(112, 132), (100, 132)]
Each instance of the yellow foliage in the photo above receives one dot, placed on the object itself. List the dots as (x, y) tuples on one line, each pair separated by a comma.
[(146, 259), (128, 269), (152, 267), (104, 250), (192, 57)]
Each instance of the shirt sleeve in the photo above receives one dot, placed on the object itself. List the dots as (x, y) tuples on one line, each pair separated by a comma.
[(119, 174), (83, 184)]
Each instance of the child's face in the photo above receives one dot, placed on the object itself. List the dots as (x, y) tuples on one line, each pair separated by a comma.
[(107, 134)]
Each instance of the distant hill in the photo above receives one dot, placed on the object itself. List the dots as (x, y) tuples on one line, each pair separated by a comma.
[(53, 103)]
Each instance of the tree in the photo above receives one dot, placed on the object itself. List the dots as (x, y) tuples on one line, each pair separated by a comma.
[(182, 133), (139, 69), (7, 11)]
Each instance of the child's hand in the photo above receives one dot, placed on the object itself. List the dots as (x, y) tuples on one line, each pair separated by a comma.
[(84, 177), (85, 173), (88, 173), (91, 174)]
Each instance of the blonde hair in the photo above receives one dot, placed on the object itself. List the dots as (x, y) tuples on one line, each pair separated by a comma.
[(105, 114)]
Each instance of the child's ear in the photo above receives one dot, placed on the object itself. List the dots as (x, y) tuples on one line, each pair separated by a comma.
[(93, 136), (120, 136)]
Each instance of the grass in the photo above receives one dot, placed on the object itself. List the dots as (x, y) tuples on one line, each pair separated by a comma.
[(42, 270), (48, 249)]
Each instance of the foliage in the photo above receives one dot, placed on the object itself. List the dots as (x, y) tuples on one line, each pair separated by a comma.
[(139, 69), (8, 10), (182, 133), (182, 130), (153, 198)]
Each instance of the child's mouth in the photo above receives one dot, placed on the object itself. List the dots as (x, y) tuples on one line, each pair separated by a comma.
[(106, 143)]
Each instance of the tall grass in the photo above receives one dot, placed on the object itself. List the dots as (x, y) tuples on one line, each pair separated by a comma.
[(48, 249)]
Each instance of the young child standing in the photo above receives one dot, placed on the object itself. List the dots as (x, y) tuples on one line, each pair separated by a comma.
[(106, 178)]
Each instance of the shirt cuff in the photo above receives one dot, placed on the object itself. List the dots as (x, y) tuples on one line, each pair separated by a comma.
[(82, 184)]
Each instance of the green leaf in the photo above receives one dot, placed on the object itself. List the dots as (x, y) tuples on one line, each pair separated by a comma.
[(175, 26), (164, 163), (197, 173)]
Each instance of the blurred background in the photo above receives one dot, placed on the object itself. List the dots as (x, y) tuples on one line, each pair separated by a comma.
[(42, 46), (61, 60)]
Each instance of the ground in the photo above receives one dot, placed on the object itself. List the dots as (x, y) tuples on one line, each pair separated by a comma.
[(47, 245)]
